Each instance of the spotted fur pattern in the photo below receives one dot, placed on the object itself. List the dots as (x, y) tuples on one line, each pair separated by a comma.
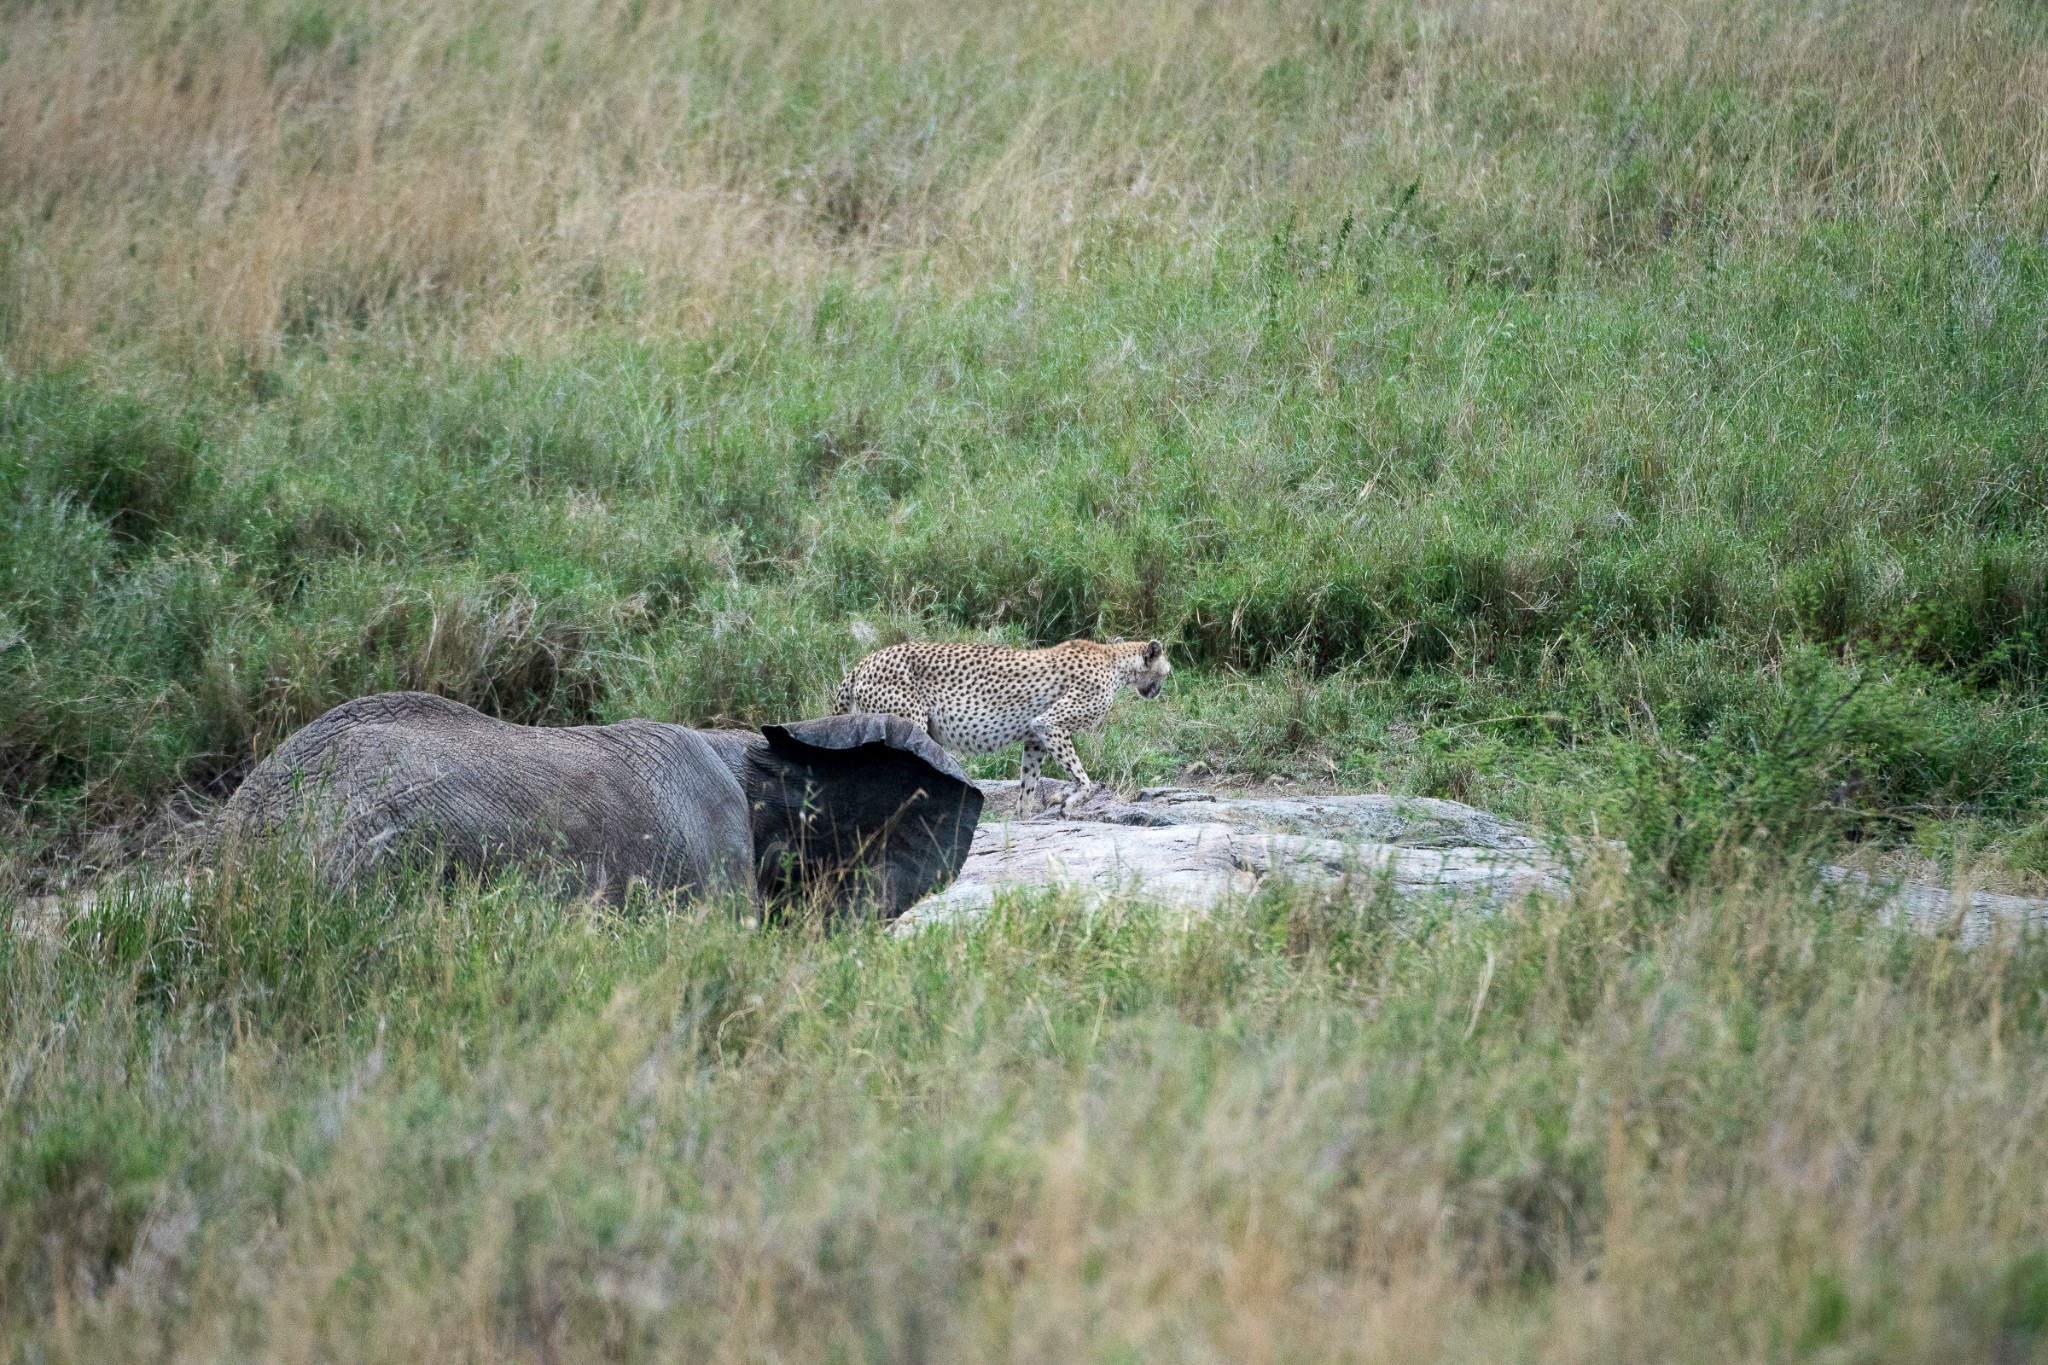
[(977, 699)]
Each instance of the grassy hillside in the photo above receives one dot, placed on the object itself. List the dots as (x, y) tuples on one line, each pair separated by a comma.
[(1626, 416)]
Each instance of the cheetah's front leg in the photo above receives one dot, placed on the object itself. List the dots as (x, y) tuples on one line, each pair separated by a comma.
[(1061, 746)]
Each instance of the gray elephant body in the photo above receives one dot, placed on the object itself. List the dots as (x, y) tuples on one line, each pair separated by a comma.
[(849, 809)]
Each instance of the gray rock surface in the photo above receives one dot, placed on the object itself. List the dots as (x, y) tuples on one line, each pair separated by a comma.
[(1971, 915), (1406, 821), (1193, 850)]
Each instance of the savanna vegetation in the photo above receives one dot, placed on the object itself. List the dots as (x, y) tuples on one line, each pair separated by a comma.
[(1630, 417)]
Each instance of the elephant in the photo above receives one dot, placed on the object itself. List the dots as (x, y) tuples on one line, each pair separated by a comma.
[(847, 812)]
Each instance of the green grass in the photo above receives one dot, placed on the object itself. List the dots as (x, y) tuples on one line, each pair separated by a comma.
[(1400, 529), (269, 1123), (1627, 418), (1487, 406)]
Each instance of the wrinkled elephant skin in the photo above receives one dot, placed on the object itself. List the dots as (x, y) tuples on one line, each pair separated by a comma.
[(847, 810)]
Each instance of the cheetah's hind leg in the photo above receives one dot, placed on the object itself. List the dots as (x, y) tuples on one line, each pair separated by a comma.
[(1028, 778)]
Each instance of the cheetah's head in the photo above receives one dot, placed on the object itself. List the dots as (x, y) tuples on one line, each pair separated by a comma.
[(1151, 670)]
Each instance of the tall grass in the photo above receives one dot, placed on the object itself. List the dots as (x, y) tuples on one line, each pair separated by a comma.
[(233, 177), (1455, 515), (263, 1122), (1624, 415), (1464, 391)]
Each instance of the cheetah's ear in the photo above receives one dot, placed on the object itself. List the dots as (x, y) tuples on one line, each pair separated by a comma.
[(1116, 639), (1153, 649)]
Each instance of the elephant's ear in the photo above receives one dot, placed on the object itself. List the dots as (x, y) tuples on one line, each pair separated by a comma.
[(835, 736), (862, 808)]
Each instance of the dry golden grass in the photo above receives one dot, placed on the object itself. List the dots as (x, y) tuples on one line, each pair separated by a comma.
[(198, 176), (1740, 1127)]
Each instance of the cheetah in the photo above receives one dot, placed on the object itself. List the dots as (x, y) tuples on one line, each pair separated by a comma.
[(977, 699)]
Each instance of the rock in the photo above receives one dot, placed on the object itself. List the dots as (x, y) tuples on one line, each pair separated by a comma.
[(1193, 850), (1936, 909), (1408, 821)]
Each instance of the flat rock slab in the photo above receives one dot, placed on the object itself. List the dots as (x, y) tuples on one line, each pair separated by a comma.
[(1194, 850), (1937, 909), (1406, 821)]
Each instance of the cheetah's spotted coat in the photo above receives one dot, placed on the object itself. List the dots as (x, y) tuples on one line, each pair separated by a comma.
[(977, 699)]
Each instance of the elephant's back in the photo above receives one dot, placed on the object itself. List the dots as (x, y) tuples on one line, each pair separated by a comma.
[(635, 800)]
